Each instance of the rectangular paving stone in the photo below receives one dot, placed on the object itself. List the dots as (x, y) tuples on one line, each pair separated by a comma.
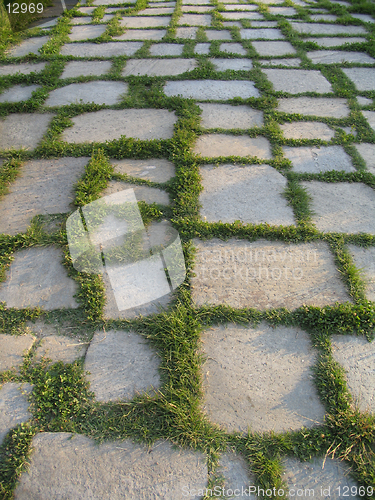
[(23, 130), (86, 10), (252, 194), (110, 124), (195, 2), (364, 260), (195, 19), (24, 68), (158, 67), (319, 159), (228, 117), (363, 17), (86, 68), (142, 35), (218, 35), (340, 57), (265, 274), (86, 32), (233, 48), (211, 89), (307, 130), (364, 101), (42, 187), (335, 41), (156, 170), (14, 406), (327, 29), (81, 20), (13, 348), (166, 49), (230, 24), (342, 207), (214, 145), (142, 193), (202, 48), (370, 117), (233, 16), (145, 22), (315, 106), (108, 49), (187, 33), (260, 378), (232, 64), (292, 62), (18, 93), (295, 81), (282, 11), (99, 92), (323, 17), (263, 24), (156, 11), (261, 33), (198, 9), (273, 48), (363, 78), (367, 151), (31, 45), (240, 7)]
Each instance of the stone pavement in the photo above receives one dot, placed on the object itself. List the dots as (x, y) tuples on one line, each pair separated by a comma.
[(250, 98)]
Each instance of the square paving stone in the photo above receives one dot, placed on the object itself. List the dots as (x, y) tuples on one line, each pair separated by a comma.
[(307, 130), (266, 274), (251, 194), (18, 93), (218, 35), (327, 29), (282, 11), (142, 35), (13, 348), (202, 48), (156, 11), (109, 49), (110, 124), (23, 130), (295, 81), (23, 69), (363, 78), (108, 93), (195, 19), (214, 145), (14, 406), (196, 8), (145, 22), (363, 17), (289, 62), (367, 151), (233, 48), (186, 33), (260, 378), (36, 278), (228, 117), (315, 106), (42, 187), (211, 89), (60, 348), (342, 207), (232, 64), (86, 68), (319, 159), (121, 365), (158, 67), (119, 470), (156, 170), (335, 41), (234, 16), (370, 117), (364, 260), (143, 193), (31, 45), (166, 49), (273, 48), (86, 32), (340, 57), (261, 33)]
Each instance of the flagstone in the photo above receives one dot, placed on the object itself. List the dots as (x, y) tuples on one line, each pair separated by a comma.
[(273, 48), (370, 117), (214, 145), (232, 64), (31, 45), (81, 20), (241, 15), (282, 11), (155, 11), (236, 474), (211, 89), (23, 68), (261, 33), (315, 106), (202, 48), (327, 29), (86, 68), (111, 124), (218, 35), (233, 48), (323, 17), (106, 18), (265, 274), (112, 2), (363, 17), (367, 151), (86, 32), (61, 463), (335, 41), (199, 9), (263, 24), (240, 7), (363, 78), (86, 10), (272, 2), (166, 49), (23, 130), (145, 22), (340, 56), (158, 67), (109, 49), (13, 348), (307, 130), (99, 92), (364, 101), (186, 32), (161, 4), (260, 378), (230, 24), (195, 19), (292, 62), (140, 34), (18, 93), (142, 193), (295, 81), (60, 348), (364, 260), (14, 406), (342, 207), (195, 2), (156, 170), (319, 159), (229, 117)]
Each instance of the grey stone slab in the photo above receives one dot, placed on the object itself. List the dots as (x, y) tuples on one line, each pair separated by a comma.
[(251, 194), (111, 2), (211, 89), (108, 93), (315, 106), (186, 33), (307, 130), (86, 10), (261, 33), (327, 29), (272, 2), (295, 81), (142, 35), (233, 48), (228, 117), (13, 348), (198, 9), (161, 4), (106, 18), (121, 365), (232, 64), (18, 93), (195, 19), (142, 193), (14, 407), (342, 207), (260, 378), (290, 63), (363, 78), (36, 278), (273, 48), (364, 260), (110, 124), (202, 48), (214, 145), (233, 16), (195, 2), (266, 274), (240, 7), (323, 17), (230, 24), (23, 130), (364, 101), (322, 159), (86, 68), (86, 32), (81, 20), (158, 67), (340, 57), (321, 477), (156, 170), (282, 11), (31, 45), (264, 24), (236, 474), (367, 151), (23, 69), (60, 348), (363, 17), (218, 35), (108, 49), (166, 49), (61, 464), (370, 117), (335, 41), (156, 11), (145, 22), (43, 187), (48, 24)]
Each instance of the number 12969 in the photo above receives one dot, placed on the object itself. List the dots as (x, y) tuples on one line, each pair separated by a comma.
[(16, 8), (345, 491)]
